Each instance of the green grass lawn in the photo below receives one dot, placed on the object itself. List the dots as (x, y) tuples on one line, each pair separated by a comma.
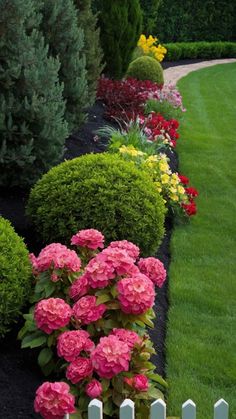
[(201, 337)]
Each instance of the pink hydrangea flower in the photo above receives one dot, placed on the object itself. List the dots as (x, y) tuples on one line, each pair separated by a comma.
[(56, 256), (93, 389), (154, 269), (132, 250), (99, 272), (136, 294), (52, 314), (86, 311), (110, 357), (79, 288), (34, 264), (70, 344), (54, 401), (90, 238), (120, 261), (79, 369), (128, 336), (139, 382)]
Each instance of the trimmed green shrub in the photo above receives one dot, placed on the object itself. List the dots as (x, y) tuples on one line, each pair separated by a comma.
[(196, 20), (146, 68), (205, 50), (15, 275), (92, 46), (99, 191), (150, 14), (32, 125), (120, 23), (66, 41)]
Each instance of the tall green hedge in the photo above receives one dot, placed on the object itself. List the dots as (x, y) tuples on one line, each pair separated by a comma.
[(196, 20), (150, 15), (120, 23)]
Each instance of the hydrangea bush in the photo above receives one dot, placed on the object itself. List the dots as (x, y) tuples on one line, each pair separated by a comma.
[(91, 308)]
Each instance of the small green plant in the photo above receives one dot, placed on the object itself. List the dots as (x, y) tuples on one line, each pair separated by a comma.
[(100, 191), (15, 272), (163, 107), (146, 68), (132, 134)]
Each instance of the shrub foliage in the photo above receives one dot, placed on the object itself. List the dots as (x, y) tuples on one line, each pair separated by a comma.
[(32, 126), (14, 275), (120, 23), (184, 50), (66, 40), (146, 68), (102, 192)]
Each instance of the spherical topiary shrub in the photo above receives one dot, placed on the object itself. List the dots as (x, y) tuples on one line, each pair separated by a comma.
[(99, 191), (146, 68), (15, 275)]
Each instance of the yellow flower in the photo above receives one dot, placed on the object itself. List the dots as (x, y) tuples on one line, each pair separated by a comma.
[(165, 178), (181, 190), (158, 185), (153, 158), (173, 190), (164, 167), (174, 197)]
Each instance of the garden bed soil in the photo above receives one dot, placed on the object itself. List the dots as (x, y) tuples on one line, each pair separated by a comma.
[(19, 373)]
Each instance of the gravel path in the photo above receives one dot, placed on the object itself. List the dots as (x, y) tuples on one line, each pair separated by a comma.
[(173, 74)]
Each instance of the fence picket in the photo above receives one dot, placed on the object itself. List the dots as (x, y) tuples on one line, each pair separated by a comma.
[(158, 409), (221, 409), (189, 410), (95, 409), (127, 409)]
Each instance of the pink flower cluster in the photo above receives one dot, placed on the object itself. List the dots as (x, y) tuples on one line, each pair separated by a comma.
[(56, 256), (79, 288), (79, 369), (132, 250), (154, 269), (111, 357), (70, 344), (136, 294), (92, 239), (128, 336), (54, 401), (86, 311), (93, 389), (52, 314)]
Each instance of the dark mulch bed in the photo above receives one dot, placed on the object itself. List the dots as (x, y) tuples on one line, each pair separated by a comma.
[(19, 374), (168, 64)]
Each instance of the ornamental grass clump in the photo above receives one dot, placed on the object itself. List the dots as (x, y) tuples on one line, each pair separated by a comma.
[(15, 275), (102, 191), (91, 325)]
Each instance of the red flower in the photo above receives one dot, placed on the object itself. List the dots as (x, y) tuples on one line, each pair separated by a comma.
[(190, 208), (191, 191), (183, 179)]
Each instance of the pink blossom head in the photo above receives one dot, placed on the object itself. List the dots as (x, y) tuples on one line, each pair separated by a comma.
[(79, 369), (52, 314), (93, 389), (54, 401), (57, 256), (128, 336), (120, 261), (70, 344), (132, 250), (136, 294), (110, 357), (34, 264), (139, 382), (99, 272), (86, 311), (92, 239), (154, 269), (79, 288)]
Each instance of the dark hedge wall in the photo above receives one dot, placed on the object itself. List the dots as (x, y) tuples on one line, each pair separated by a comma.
[(196, 20)]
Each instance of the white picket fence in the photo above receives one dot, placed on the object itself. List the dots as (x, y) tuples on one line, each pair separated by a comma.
[(157, 410)]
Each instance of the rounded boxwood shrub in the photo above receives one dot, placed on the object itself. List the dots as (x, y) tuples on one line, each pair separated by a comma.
[(146, 68), (99, 191), (15, 275)]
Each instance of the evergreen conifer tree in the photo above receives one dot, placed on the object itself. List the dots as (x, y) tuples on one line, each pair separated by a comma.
[(66, 41), (32, 125), (92, 48), (120, 23), (150, 14)]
